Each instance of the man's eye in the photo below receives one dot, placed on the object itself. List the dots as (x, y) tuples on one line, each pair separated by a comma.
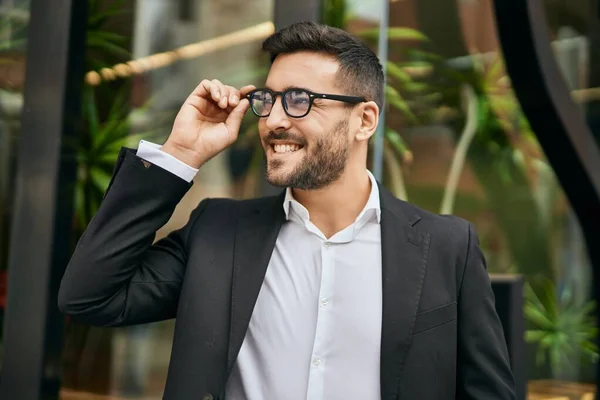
[(300, 100)]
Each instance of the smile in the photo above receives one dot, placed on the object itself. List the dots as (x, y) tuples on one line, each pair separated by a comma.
[(286, 148)]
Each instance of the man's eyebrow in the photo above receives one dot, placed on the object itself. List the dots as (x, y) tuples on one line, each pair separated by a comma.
[(291, 87), (297, 87)]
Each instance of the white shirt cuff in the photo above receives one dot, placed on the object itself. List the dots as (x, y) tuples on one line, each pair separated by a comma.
[(152, 153)]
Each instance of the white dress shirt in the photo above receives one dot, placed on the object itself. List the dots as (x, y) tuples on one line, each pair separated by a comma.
[(315, 331)]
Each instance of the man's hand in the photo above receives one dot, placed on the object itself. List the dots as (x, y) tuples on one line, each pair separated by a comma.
[(208, 122)]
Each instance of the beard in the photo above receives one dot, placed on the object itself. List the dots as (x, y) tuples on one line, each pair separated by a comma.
[(322, 165)]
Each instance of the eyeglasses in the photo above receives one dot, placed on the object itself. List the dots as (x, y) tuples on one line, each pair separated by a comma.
[(296, 102)]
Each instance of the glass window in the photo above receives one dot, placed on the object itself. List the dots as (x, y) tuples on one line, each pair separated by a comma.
[(576, 50), (14, 21), (141, 82), (457, 142)]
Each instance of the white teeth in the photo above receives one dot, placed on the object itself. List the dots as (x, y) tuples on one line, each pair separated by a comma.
[(285, 148)]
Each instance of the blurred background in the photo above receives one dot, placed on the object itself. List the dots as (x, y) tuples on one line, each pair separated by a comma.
[(79, 81)]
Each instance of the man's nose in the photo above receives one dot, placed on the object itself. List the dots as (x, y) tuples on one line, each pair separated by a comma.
[(278, 119)]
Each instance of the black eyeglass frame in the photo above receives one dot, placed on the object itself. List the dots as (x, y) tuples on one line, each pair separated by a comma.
[(311, 97)]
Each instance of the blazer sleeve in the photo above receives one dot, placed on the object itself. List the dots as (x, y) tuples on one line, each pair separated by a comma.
[(483, 365), (116, 275)]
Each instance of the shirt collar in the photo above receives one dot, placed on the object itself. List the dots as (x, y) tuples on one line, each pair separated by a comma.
[(373, 203)]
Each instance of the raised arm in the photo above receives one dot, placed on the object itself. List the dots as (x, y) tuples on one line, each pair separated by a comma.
[(117, 276)]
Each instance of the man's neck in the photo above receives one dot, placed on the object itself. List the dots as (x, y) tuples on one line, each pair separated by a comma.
[(336, 206)]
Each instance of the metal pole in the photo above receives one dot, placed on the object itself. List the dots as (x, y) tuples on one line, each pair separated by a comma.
[(40, 246), (383, 56)]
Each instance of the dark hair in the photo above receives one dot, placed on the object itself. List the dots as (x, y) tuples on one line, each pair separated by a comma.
[(360, 70)]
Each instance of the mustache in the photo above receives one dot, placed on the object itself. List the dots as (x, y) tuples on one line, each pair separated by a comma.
[(292, 137)]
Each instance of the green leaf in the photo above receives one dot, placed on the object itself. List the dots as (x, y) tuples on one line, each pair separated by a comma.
[(109, 157), (116, 6), (398, 73), (108, 36), (496, 70), (395, 100), (103, 136), (396, 141), (114, 134), (100, 178), (537, 317), (589, 347), (423, 55), (540, 356), (394, 33), (533, 336), (119, 104), (334, 13), (12, 44), (93, 6), (91, 113), (415, 87), (415, 64), (548, 298), (96, 65), (98, 18), (100, 43)]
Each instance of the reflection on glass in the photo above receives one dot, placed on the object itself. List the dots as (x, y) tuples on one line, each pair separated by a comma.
[(143, 60), (14, 17), (457, 142), (576, 51)]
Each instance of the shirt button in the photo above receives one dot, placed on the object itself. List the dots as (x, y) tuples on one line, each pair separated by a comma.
[(327, 245), (324, 302), (316, 362)]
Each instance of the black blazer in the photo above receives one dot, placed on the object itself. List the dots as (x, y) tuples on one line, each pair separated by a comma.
[(441, 336)]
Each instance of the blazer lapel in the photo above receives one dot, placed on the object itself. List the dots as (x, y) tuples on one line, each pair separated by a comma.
[(255, 239), (404, 260)]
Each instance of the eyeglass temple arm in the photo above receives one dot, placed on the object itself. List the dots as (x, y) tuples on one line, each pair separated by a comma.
[(338, 97), (347, 99)]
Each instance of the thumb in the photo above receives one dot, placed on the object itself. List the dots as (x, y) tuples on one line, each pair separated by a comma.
[(234, 120)]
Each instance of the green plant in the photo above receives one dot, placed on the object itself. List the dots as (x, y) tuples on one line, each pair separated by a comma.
[(104, 131), (563, 329), (333, 13), (501, 155), (13, 28), (97, 150), (104, 48), (491, 131)]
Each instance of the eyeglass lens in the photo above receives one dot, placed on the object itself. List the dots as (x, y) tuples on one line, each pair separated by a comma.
[(296, 102)]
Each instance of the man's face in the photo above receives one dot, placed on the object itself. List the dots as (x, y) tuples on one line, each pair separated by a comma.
[(310, 152)]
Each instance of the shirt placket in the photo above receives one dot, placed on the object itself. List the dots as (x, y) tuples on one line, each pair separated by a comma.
[(318, 364)]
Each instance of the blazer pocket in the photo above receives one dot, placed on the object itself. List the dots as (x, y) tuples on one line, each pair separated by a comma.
[(430, 319)]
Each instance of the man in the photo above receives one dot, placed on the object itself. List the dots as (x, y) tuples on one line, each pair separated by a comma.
[(332, 290)]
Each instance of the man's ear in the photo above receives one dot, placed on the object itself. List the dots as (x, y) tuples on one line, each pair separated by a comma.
[(369, 118)]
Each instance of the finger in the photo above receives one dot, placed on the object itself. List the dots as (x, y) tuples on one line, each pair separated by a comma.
[(234, 96), (246, 89), (223, 102), (215, 92), (202, 90), (234, 120), (223, 94)]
